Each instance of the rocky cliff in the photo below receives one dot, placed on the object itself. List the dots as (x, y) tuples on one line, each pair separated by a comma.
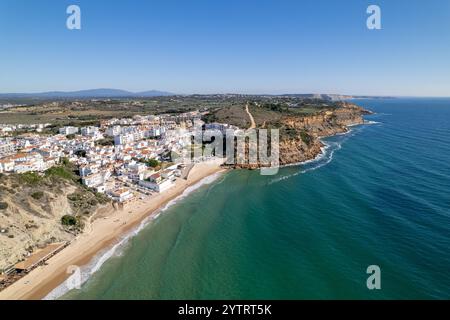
[(31, 210), (29, 223), (300, 134)]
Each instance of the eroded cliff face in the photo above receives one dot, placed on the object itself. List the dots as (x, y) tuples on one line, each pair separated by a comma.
[(28, 223), (303, 141), (31, 214), (326, 123), (300, 135)]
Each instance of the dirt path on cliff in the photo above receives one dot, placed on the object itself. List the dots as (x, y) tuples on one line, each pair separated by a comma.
[(252, 120)]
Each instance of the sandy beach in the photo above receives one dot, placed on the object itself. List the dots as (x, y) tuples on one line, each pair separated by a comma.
[(103, 233)]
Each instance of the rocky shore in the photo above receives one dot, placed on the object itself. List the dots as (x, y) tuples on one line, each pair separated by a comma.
[(300, 135)]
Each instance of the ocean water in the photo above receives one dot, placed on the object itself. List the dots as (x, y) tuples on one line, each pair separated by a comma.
[(378, 196)]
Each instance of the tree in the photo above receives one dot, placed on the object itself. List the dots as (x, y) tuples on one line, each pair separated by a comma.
[(153, 163), (69, 220), (37, 195), (105, 142), (81, 153)]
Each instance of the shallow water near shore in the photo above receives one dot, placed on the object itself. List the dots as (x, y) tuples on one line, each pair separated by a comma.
[(378, 196)]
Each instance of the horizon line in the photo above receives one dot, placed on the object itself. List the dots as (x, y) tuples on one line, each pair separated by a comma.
[(169, 93)]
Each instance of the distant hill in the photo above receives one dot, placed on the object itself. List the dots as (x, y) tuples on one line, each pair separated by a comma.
[(93, 93)]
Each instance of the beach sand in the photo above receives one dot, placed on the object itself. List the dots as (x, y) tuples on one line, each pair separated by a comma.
[(102, 234)]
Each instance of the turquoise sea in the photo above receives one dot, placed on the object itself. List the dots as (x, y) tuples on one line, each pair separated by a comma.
[(379, 196)]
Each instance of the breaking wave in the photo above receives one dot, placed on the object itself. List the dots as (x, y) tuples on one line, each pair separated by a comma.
[(97, 262), (324, 157)]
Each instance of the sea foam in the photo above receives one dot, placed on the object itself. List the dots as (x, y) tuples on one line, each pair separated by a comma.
[(322, 159)]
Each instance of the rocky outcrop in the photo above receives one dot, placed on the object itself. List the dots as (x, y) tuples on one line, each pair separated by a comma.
[(300, 135), (303, 143), (29, 223), (31, 214)]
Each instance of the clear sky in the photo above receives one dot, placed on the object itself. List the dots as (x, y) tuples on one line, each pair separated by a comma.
[(222, 46)]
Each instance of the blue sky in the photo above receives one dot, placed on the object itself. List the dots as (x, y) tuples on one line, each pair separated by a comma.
[(221, 46)]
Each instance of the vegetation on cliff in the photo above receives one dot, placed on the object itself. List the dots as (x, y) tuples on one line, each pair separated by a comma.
[(300, 122), (38, 209)]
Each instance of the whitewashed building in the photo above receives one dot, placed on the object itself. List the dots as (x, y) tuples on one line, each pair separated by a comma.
[(68, 130), (157, 183), (93, 180), (121, 195)]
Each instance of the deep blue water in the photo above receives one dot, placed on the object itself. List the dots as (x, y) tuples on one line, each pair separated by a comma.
[(380, 196)]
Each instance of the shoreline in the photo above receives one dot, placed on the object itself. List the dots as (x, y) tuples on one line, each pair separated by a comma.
[(108, 232), (324, 146), (105, 233)]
